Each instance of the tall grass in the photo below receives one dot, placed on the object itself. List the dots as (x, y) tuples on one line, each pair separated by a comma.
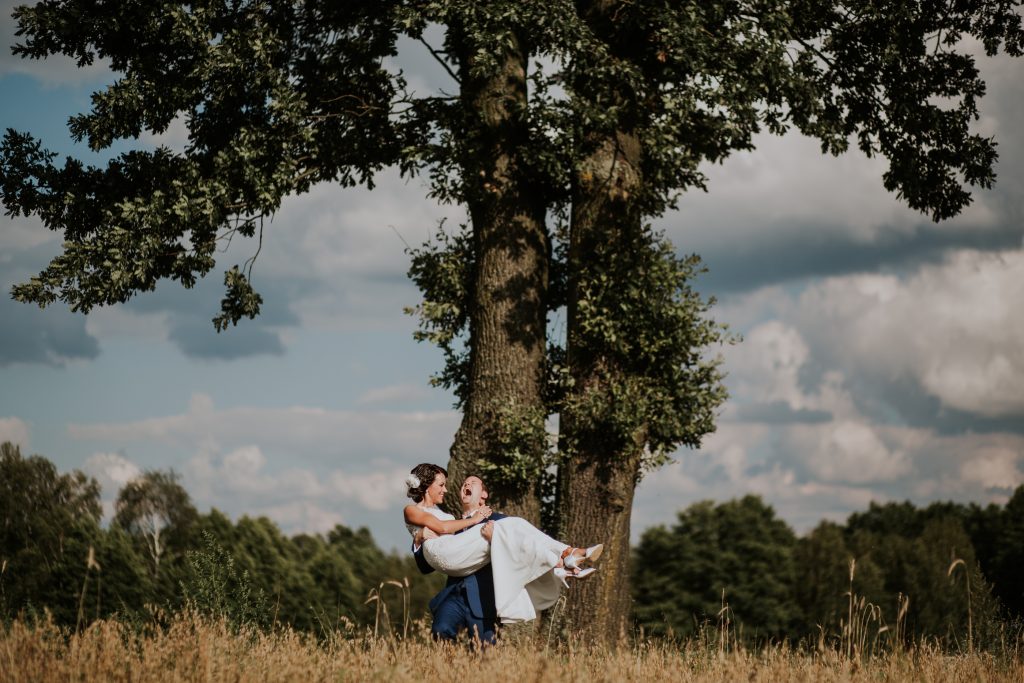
[(225, 634), (193, 647)]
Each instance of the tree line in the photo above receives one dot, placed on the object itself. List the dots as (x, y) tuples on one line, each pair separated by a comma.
[(159, 552), (733, 561), (947, 571)]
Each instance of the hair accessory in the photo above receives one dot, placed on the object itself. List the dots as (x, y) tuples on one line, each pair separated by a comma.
[(412, 481)]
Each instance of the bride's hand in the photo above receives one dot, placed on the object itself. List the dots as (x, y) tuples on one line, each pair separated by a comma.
[(482, 512)]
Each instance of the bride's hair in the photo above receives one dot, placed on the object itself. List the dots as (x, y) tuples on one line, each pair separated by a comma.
[(420, 479)]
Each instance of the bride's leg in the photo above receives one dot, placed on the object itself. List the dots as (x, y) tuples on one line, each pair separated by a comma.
[(534, 534), (458, 554), (539, 537)]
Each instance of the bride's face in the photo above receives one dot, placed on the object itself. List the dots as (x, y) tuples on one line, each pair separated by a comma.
[(435, 492)]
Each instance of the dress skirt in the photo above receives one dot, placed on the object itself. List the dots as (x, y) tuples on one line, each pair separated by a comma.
[(521, 558)]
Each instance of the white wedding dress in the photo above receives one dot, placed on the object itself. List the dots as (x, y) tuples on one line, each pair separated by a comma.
[(521, 556)]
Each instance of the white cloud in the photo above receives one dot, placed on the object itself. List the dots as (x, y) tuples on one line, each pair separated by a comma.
[(788, 181), (200, 404), (311, 499), (394, 393), (112, 471), (766, 365), (994, 467), (374, 490), (313, 432), (805, 483), (239, 480), (21, 233), (847, 451), (303, 517), (119, 322), (306, 468), (726, 470), (819, 351), (766, 368), (953, 327), (174, 138), (351, 243), (243, 472), (787, 190), (16, 431), (53, 71)]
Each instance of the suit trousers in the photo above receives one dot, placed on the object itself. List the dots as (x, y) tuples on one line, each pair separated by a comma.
[(454, 614)]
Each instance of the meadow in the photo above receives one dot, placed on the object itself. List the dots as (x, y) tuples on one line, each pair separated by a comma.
[(190, 647)]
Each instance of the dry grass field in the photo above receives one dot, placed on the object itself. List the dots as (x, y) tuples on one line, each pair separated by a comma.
[(190, 648)]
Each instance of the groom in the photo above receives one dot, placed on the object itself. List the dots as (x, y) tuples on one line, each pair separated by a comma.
[(465, 602)]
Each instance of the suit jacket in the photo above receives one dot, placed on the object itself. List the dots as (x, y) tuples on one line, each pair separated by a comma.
[(479, 586)]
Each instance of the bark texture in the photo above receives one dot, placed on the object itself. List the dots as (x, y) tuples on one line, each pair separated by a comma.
[(600, 471), (508, 315)]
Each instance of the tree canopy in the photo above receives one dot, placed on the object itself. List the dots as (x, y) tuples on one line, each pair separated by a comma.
[(278, 96)]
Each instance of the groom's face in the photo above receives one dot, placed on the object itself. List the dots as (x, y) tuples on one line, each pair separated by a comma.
[(472, 493)]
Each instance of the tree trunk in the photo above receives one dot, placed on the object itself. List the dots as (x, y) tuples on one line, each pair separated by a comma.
[(600, 469), (508, 309)]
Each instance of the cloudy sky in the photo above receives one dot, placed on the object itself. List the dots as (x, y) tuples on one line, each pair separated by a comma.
[(882, 354)]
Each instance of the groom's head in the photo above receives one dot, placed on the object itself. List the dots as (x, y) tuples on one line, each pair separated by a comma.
[(472, 493)]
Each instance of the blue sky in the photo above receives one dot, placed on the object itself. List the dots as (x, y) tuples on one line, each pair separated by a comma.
[(882, 359)]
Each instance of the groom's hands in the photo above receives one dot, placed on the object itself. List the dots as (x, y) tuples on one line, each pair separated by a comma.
[(487, 531)]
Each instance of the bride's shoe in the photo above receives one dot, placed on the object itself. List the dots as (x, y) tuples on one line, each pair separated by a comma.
[(572, 561), (562, 574)]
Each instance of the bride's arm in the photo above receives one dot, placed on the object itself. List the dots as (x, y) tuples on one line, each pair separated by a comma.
[(417, 516)]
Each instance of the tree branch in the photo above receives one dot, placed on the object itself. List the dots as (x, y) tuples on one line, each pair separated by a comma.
[(440, 60)]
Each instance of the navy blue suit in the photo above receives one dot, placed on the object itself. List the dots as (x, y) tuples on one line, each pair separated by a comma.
[(465, 602)]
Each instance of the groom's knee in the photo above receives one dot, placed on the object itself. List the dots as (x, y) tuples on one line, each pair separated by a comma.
[(444, 631), (449, 619), (483, 631)]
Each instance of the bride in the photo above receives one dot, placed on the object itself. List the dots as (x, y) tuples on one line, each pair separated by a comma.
[(528, 565)]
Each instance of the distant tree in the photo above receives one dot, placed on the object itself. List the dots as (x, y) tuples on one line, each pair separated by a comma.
[(738, 547), (822, 567), (1007, 565), (49, 529), (39, 506), (902, 519), (918, 567), (274, 565), (942, 607), (123, 583), (157, 511), (337, 587)]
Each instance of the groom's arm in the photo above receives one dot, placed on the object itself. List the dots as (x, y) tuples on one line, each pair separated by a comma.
[(421, 562)]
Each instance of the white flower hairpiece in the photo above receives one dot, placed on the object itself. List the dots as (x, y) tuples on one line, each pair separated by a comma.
[(412, 481)]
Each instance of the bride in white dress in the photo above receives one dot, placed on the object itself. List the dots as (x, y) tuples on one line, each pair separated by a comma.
[(529, 567)]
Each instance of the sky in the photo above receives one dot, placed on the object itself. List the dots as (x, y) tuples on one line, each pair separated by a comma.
[(882, 354)]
